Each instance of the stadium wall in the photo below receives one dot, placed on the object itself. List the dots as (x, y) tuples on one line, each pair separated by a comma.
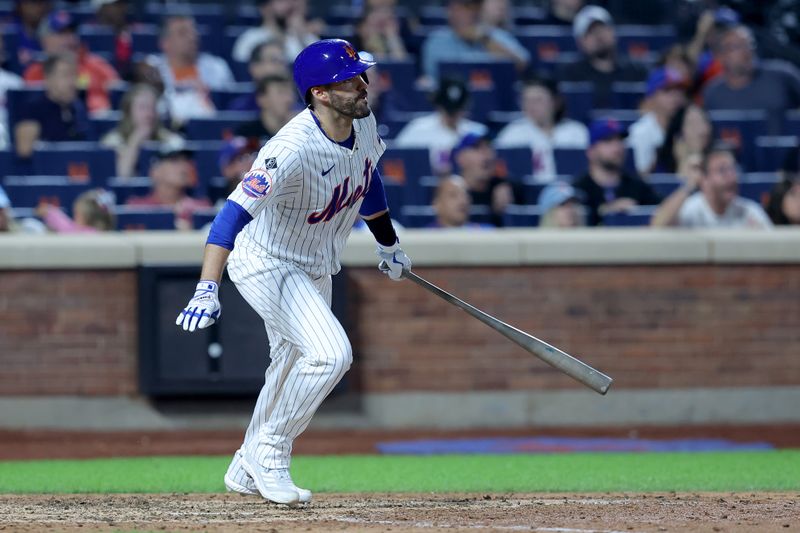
[(695, 327)]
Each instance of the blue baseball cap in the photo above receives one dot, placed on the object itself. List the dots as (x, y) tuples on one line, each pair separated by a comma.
[(556, 193), (470, 140), (605, 128), (665, 78), (236, 146), (725, 16), (58, 21)]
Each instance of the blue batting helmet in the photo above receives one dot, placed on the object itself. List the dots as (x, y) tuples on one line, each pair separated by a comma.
[(327, 61)]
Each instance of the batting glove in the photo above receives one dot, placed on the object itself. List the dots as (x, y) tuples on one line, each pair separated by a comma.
[(204, 308), (393, 261)]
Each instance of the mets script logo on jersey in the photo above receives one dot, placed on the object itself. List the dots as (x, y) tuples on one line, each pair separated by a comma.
[(342, 198), (256, 183)]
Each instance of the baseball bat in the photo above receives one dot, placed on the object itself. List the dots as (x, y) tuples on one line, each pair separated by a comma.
[(575, 368)]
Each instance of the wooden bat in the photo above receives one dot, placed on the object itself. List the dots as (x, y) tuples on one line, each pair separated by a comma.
[(575, 368)]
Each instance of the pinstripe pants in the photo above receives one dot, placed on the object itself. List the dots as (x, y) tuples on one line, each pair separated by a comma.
[(310, 354)]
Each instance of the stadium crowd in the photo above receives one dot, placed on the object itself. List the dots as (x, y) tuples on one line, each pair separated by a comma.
[(556, 113)]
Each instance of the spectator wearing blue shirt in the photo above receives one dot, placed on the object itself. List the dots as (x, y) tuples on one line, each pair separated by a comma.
[(30, 14), (465, 39), (57, 115)]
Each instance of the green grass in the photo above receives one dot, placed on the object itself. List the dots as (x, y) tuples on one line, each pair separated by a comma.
[(589, 472)]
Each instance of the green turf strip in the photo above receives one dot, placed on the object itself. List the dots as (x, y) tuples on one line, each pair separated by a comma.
[(589, 472)]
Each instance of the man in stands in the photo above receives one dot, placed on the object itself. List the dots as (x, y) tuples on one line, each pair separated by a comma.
[(601, 64), (451, 203), (276, 98), (717, 204), (266, 60)]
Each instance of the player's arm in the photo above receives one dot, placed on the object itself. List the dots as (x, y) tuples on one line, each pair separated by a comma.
[(375, 212)]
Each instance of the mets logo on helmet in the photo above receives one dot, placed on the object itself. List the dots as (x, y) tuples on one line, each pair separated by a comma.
[(350, 51), (256, 183)]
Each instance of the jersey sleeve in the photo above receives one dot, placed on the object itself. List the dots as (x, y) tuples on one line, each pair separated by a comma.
[(275, 173)]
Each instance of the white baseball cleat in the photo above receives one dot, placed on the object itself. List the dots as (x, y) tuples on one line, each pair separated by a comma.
[(273, 485), (250, 489)]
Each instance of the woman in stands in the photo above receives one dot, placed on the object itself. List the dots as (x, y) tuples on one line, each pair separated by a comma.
[(688, 135), (784, 200), (140, 123)]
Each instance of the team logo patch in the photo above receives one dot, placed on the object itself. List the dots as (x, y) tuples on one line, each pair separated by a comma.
[(256, 183), (350, 51), (270, 163)]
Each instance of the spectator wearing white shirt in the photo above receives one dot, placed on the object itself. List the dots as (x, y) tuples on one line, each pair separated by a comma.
[(188, 74), (543, 128), (441, 130), (717, 204), (284, 20), (666, 94)]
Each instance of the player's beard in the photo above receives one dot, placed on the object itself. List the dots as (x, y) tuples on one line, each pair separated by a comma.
[(353, 107)]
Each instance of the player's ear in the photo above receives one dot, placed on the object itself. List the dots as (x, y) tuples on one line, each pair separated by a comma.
[(320, 93)]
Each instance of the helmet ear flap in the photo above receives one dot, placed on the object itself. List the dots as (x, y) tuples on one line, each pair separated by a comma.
[(365, 77)]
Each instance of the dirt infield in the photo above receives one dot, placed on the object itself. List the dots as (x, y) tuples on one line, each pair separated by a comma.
[(575, 513)]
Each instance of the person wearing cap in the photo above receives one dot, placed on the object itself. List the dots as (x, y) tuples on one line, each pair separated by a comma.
[(717, 203), (441, 130), (465, 39), (28, 16), (606, 186), (58, 33), (560, 206), (601, 64), (475, 160), (666, 94), (58, 114), (749, 84), (235, 159), (267, 59), (281, 20), (189, 75), (173, 173), (115, 14), (140, 123), (543, 127), (277, 103)]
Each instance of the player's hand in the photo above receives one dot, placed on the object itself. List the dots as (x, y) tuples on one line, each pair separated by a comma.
[(393, 261), (204, 308)]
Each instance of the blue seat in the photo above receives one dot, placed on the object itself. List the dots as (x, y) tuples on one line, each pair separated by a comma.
[(343, 14), (740, 128), (518, 162), (639, 215), (406, 167), (627, 95), (530, 190), (144, 38), (86, 161), (545, 43), (217, 188), (578, 98), (570, 161), (771, 152), (492, 83), (418, 216), (105, 123), (223, 99), (98, 38), (664, 184), (30, 191), (17, 100), (521, 216), (202, 217), (432, 16), (757, 185), (394, 200), (640, 42), (222, 125), (398, 77), (791, 123), (134, 217), (126, 188)]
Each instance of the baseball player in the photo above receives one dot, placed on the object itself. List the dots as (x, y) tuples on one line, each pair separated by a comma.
[(281, 232)]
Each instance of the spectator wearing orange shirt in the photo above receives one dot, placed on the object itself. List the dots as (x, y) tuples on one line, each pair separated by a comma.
[(58, 35)]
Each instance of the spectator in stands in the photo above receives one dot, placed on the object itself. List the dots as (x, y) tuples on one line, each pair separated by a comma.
[(475, 160), (267, 60), (601, 64), (560, 206), (784, 202), (666, 94), (235, 159), (188, 74), (451, 203), (543, 128), (25, 29), (140, 123), (58, 115), (465, 39), (276, 98), (93, 212), (442, 129), (173, 173), (497, 14), (608, 189), (562, 12), (115, 14), (8, 80), (283, 20), (378, 32), (59, 34), (709, 25), (745, 83), (717, 203), (689, 134), (6, 215)]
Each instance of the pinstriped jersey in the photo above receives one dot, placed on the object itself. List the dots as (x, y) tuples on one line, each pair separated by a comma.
[(304, 192)]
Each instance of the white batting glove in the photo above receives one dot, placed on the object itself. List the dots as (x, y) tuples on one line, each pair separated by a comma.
[(204, 308), (393, 261)]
